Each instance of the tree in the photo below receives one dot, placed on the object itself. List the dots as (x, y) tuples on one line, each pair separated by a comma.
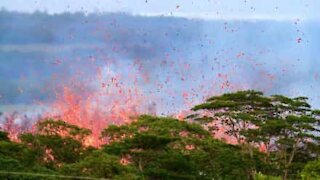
[(53, 127), (17, 151), (290, 131), (281, 126), (166, 148), (57, 143), (4, 136), (311, 171), (234, 111), (17, 158), (100, 165)]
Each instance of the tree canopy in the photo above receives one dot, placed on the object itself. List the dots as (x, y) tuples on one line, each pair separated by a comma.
[(277, 137), (282, 127)]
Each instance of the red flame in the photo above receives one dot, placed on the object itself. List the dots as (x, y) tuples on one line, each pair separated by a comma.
[(111, 102)]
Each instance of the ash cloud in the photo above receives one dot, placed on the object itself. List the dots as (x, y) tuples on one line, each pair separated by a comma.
[(177, 57)]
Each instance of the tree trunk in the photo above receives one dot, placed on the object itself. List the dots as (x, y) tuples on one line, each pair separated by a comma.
[(285, 176), (141, 168)]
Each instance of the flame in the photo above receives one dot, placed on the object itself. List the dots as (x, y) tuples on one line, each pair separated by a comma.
[(110, 98), (11, 127), (110, 102)]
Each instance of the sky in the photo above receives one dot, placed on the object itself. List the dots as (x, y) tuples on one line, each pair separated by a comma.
[(204, 9)]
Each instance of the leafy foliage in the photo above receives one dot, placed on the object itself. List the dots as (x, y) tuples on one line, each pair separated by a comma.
[(58, 127), (4, 136), (282, 126), (56, 142), (311, 171), (100, 165), (277, 136), (166, 148)]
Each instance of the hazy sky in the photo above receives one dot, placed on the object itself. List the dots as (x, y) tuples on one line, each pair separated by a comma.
[(209, 9), (277, 56)]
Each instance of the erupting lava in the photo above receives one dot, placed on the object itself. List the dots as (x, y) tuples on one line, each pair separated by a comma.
[(113, 102), (117, 97)]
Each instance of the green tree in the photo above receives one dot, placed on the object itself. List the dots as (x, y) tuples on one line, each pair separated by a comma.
[(57, 143), (100, 165), (235, 111), (53, 127), (17, 158), (4, 136), (166, 148), (282, 126), (42, 150), (311, 171)]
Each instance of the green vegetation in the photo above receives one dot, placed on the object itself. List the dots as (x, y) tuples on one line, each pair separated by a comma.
[(311, 171), (284, 127), (276, 139)]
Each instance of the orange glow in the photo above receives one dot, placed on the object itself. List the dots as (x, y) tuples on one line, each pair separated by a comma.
[(109, 101)]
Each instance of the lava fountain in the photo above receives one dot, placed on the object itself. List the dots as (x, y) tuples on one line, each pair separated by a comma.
[(95, 104)]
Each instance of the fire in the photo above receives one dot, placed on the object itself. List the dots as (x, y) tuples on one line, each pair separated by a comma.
[(11, 127), (110, 102), (110, 98)]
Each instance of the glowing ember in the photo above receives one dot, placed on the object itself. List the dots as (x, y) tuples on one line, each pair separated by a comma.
[(189, 147)]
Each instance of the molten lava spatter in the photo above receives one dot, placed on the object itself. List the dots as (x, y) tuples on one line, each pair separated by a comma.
[(113, 102)]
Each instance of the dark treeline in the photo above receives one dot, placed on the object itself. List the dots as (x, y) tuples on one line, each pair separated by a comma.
[(277, 138)]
